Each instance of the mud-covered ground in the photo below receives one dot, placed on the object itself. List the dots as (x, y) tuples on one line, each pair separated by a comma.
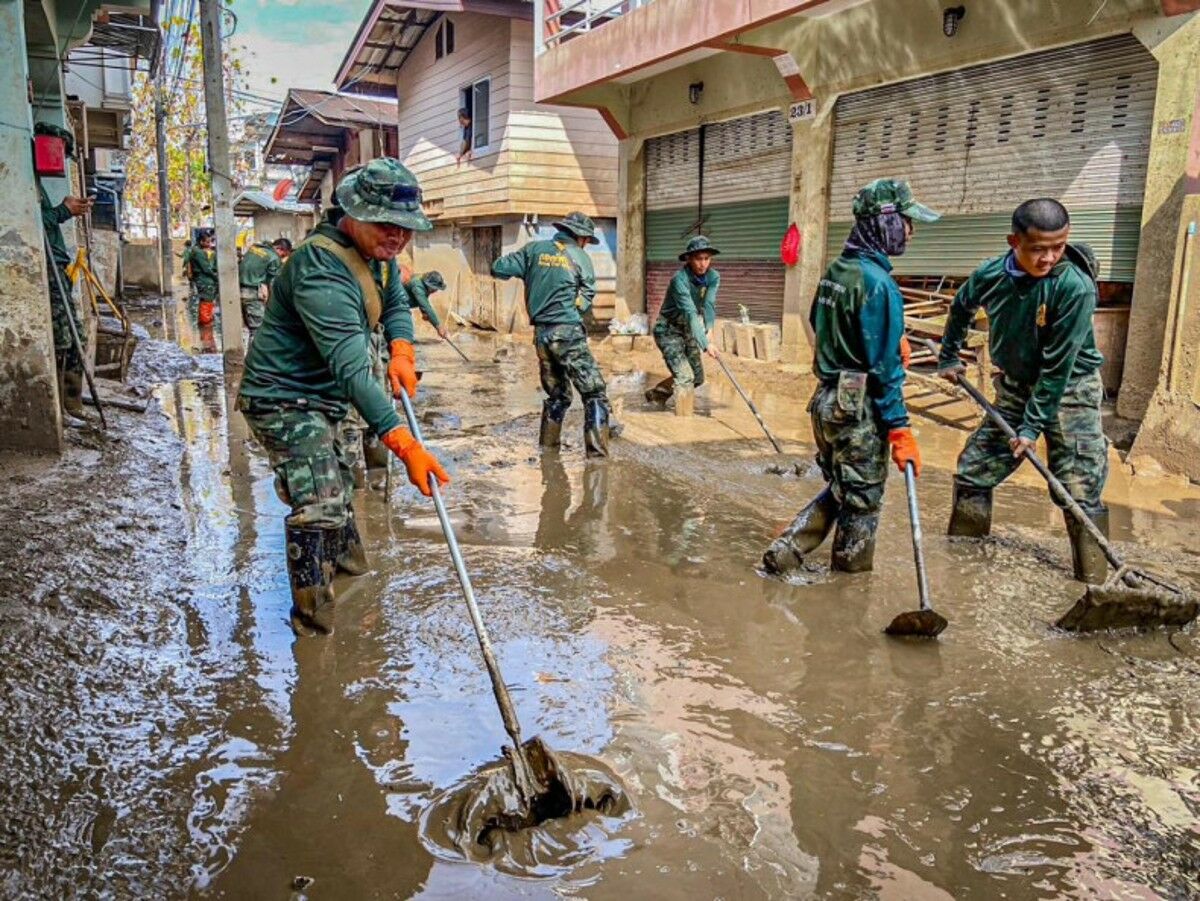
[(163, 733)]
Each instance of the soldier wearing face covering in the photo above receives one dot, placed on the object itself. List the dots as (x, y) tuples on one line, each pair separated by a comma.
[(858, 408)]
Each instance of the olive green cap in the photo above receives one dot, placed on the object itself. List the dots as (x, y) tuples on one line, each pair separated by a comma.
[(579, 225), (891, 195), (383, 191), (697, 245)]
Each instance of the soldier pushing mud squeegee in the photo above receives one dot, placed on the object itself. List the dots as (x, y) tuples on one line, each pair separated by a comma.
[(1040, 298)]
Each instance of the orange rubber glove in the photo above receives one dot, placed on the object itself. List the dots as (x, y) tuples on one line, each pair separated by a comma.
[(905, 450), (905, 351), (416, 459), (402, 368)]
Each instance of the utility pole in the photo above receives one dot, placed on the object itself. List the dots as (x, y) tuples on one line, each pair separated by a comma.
[(222, 183), (166, 257)]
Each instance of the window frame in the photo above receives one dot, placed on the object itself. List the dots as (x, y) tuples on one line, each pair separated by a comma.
[(466, 98)]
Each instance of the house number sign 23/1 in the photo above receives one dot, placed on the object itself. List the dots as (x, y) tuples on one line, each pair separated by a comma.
[(804, 109)]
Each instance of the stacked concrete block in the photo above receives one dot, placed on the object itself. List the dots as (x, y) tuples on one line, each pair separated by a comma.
[(768, 342)]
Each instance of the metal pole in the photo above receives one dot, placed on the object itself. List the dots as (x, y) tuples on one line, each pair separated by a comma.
[(222, 182), (166, 261), (914, 519)]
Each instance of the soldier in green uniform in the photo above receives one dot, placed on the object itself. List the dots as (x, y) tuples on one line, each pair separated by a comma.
[(1039, 298), (858, 408), (204, 272), (559, 287), (63, 311), (419, 288), (311, 362), (684, 328), (257, 269)]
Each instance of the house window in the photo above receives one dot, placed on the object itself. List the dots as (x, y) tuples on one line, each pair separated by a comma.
[(444, 39), (476, 100)]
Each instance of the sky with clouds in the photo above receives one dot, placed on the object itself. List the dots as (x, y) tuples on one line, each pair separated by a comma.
[(294, 43)]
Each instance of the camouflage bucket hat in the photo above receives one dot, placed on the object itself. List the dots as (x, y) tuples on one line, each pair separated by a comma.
[(433, 281), (890, 195), (698, 244), (383, 191), (579, 225)]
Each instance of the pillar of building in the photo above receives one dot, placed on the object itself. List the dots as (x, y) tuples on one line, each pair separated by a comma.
[(29, 412), (1175, 43), (808, 207), (631, 228)]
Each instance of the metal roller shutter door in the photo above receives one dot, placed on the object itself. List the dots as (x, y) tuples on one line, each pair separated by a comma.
[(754, 283), (1072, 123)]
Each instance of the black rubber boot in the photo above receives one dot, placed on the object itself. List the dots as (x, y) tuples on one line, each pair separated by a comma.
[(310, 572), (1087, 560), (73, 392), (972, 513), (661, 393), (854, 542), (595, 427), (553, 415), (350, 555), (806, 533)]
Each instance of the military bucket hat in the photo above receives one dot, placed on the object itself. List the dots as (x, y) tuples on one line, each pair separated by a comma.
[(579, 225), (433, 281), (891, 195), (696, 245), (383, 191)]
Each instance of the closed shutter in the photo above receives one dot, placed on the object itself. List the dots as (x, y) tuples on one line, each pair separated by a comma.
[(750, 157), (1072, 123), (673, 170), (747, 157)]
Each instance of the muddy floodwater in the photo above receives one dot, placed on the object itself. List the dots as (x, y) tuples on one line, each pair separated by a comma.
[(165, 734)]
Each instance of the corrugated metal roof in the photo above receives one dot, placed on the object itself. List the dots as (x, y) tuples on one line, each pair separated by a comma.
[(311, 123)]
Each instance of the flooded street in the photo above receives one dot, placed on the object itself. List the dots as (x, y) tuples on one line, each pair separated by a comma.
[(165, 733)]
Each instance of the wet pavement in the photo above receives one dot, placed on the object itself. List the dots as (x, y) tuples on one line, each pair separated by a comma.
[(165, 733)]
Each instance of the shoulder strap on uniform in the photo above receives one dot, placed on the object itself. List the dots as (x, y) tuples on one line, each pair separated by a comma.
[(358, 268)]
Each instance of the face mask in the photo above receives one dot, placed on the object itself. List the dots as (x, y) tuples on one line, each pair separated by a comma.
[(883, 233)]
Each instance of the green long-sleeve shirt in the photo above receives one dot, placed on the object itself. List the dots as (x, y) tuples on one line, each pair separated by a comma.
[(693, 299), (418, 293), (259, 266), (560, 283), (52, 219), (858, 318), (204, 272), (314, 343), (1039, 329)]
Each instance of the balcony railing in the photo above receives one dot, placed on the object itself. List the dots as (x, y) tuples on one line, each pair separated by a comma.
[(561, 20)]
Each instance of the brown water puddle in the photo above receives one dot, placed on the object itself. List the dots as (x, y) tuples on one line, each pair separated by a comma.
[(774, 743)]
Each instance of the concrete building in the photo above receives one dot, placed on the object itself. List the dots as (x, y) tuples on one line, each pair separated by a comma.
[(529, 163), (270, 219), (35, 38), (740, 118)]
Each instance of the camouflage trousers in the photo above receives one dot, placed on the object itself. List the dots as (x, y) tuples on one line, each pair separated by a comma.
[(852, 448), (312, 470), (681, 352), (354, 429), (253, 308), (1077, 450), (62, 313), (564, 359)]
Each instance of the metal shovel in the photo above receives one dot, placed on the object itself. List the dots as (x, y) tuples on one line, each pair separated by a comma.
[(926, 622), (1130, 597), (543, 786), (750, 404)]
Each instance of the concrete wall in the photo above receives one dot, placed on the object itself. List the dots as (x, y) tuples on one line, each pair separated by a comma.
[(268, 226), (29, 412)]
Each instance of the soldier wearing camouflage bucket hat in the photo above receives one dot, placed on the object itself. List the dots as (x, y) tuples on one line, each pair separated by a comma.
[(684, 327), (559, 288), (1040, 297), (310, 364), (858, 408)]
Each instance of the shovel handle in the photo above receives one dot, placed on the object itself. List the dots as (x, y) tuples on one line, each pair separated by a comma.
[(1056, 487), (914, 519), (499, 689), (750, 404), (458, 351)]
